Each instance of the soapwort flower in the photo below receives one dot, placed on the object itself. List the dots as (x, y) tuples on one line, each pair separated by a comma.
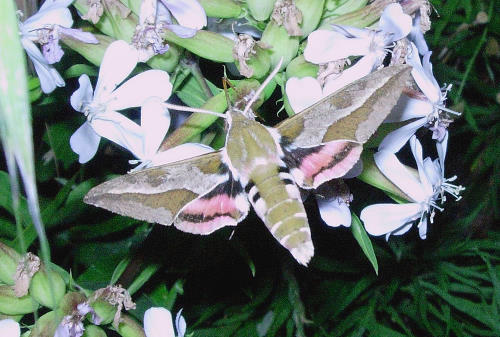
[(427, 108), (46, 27), (324, 46), (158, 323), (425, 192), (10, 328)]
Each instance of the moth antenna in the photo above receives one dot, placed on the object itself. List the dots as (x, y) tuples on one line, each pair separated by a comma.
[(262, 86), (189, 109)]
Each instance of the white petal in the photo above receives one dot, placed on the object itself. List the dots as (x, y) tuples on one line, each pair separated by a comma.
[(422, 228), (433, 170), (54, 14), (363, 67), (428, 85), (302, 92), (158, 323), (188, 13), (135, 92), (180, 324), (324, 46), (121, 130), (155, 121), (441, 150), (181, 31), (83, 95), (396, 172), (48, 75), (118, 62), (382, 219), (395, 140), (180, 152), (85, 142), (395, 22), (416, 149), (9, 328), (62, 331), (409, 108), (334, 212), (416, 36)]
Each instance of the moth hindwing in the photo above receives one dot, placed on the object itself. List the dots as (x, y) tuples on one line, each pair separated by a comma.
[(261, 166)]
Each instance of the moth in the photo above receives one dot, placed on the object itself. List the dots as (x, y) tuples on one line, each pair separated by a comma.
[(261, 166)]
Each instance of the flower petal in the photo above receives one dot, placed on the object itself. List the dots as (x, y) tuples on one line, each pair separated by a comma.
[(9, 328), (55, 13), (334, 212), (188, 13), (79, 35), (121, 130), (395, 140), (181, 31), (118, 62), (416, 149), (427, 84), (324, 46), (85, 142), (158, 323), (48, 75), (409, 108), (363, 67), (417, 37), (181, 152), (180, 324), (396, 172), (135, 92), (441, 150), (83, 95), (381, 219), (302, 92), (395, 22), (422, 228), (155, 121)]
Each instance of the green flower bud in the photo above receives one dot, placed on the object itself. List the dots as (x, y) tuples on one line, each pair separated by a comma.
[(167, 61), (69, 303), (128, 327), (205, 44), (299, 67), (9, 259), (337, 8), (104, 310), (47, 287), (282, 45), (92, 52), (260, 9), (93, 331), (373, 176), (311, 14), (46, 325), (10, 304), (16, 318), (259, 63), (221, 8), (360, 18)]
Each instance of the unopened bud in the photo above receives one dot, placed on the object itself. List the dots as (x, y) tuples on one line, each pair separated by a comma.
[(105, 311), (128, 327), (251, 57), (47, 287), (260, 9), (205, 44), (311, 14), (93, 331), (299, 67), (282, 45), (9, 260), (362, 17), (221, 8), (92, 52), (10, 304), (46, 325)]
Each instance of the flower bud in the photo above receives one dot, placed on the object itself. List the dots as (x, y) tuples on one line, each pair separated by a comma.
[(47, 287), (46, 325), (92, 52), (205, 44), (105, 311), (282, 45), (69, 303), (360, 18), (9, 259), (129, 327), (221, 8), (10, 304), (333, 8), (311, 14), (93, 331), (299, 67), (166, 61), (260, 9)]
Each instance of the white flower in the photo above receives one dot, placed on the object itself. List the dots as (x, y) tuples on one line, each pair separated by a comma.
[(100, 107), (325, 46), (45, 28), (427, 109), (188, 13), (9, 328), (334, 211), (424, 191), (158, 323)]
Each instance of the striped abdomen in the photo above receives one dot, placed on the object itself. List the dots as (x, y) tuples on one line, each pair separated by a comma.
[(276, 199)]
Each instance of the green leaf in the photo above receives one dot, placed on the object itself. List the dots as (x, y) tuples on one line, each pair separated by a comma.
[(77, 70), (143, 277), (359, 233)]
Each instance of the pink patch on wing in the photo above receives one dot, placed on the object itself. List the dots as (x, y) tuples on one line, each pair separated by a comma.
[(206, 215), (333, 160)]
